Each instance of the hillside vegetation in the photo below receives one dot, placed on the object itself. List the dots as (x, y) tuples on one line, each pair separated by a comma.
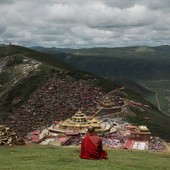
[(52, 158), (134, 63), (140, 64)]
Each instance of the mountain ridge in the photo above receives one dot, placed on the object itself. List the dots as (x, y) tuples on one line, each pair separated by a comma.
[(133, 63)]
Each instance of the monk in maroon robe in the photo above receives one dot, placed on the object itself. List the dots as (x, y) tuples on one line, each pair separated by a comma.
[(91, 147)]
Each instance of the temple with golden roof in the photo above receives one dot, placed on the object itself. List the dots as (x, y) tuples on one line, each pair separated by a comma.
[(78, 122), (107, 107), (107, 102)]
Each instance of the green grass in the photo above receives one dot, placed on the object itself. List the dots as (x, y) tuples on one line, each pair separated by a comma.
[(48, 158), (151, 99)]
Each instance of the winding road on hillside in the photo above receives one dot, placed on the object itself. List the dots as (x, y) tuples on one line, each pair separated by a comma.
[(157, 100), (156, 95), (158, 104)]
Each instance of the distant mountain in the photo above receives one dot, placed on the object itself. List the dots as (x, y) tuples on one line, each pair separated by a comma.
[(36, 89), (134, 63)]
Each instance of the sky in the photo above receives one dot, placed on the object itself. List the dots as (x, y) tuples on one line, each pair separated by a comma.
[(85, 23)]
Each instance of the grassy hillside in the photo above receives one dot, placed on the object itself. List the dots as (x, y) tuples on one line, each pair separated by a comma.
[(162, 88), (48, 59), (28, 84), (38, 157), (158, 123)]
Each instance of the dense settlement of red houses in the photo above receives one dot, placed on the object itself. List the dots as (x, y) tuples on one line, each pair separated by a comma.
[(59, 99), (56, 100)]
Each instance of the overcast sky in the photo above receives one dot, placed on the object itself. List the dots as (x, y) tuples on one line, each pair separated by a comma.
[(85, 23)]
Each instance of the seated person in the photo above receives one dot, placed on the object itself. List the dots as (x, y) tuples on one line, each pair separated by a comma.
[(91, 147)]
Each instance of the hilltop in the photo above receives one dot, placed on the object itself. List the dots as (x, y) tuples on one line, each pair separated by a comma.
[(28, 102)]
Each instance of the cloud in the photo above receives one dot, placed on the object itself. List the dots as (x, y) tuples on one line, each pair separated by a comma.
[(87, 23), (6, 1)]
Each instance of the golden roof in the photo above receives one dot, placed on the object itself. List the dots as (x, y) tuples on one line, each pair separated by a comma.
[(107, 102), (79, 120)]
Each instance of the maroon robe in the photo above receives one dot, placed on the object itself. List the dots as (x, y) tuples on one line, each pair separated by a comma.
[(91, 148)]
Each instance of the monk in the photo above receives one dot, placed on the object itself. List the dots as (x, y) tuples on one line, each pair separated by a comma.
[(91, 147)]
